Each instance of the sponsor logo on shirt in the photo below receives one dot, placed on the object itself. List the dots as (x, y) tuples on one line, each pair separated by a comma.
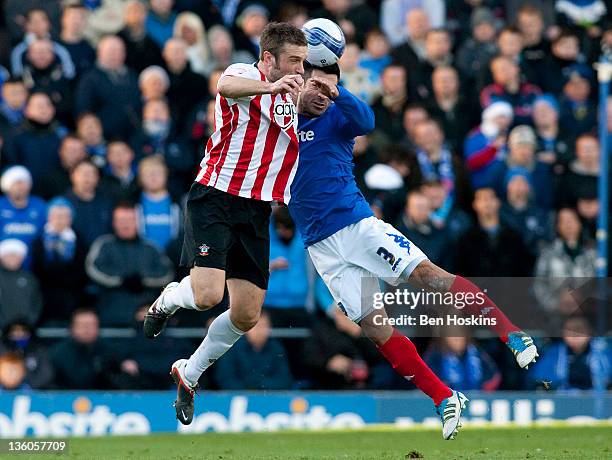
[(305, 136), (285, 114)]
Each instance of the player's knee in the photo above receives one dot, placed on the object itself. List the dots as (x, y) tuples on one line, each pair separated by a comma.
[(206, 298), (429, 276), (245, 321), (377, 333)]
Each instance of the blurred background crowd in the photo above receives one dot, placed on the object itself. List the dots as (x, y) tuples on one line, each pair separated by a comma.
[(485, 154)]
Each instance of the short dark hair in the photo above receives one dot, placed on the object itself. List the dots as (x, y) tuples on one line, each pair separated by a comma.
[(276, 35), (333, 69), (83, 311)]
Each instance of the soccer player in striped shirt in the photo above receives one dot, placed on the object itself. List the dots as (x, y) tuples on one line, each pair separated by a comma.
[(250, 160)]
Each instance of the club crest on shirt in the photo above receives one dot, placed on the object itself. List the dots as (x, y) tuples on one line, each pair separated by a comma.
[(285, 114), (204, 248)]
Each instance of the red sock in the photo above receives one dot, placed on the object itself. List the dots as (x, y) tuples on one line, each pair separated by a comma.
[(503, 326), (403, 356)]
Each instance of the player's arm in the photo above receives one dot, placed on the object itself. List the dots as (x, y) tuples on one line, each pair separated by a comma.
[(234, 87), (358, 116)]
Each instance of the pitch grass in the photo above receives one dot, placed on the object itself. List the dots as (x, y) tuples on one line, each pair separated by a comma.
[(376, 444)]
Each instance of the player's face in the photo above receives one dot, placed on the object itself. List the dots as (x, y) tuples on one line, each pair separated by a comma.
[(312, 101), (290, 62)]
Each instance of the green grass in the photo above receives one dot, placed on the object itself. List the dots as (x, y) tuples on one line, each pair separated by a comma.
[(375, 444)]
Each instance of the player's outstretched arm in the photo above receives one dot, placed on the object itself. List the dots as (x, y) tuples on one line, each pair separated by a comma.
[(234, 87), (359, 117)]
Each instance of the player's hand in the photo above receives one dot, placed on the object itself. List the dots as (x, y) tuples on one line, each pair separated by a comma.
[(328, 89), (289, 84)]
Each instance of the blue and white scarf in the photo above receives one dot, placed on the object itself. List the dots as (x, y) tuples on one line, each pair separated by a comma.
[(59, 247)]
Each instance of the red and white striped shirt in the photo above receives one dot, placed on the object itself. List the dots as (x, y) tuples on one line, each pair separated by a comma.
[(253, 151)]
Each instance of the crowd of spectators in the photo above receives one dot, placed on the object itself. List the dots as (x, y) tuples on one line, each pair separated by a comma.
[(485, 154)]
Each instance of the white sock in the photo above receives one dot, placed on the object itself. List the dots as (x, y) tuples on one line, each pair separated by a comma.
[(179, 297), (222, 334)]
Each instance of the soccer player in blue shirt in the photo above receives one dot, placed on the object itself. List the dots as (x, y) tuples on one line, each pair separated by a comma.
[(351, 249)]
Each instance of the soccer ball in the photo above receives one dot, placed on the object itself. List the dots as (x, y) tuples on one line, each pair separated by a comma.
[(325, 42)]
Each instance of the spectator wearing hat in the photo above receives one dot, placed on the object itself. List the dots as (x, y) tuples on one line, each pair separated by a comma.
[(153, 83), (92, 209), (21, 298), (59, 263), (580, 178), (484, 149), (22, 215), (491, 248), (479, 48), (507, 86), (12, 106), (127, 269), (72, 37), (519, 212), (110, 90), (522, 143), (564, 53), (567, 256), (36, 142), (20, 338), (141, 51), (250, 24), (554, 145), (578, 112), (37, 27), (160, 21)]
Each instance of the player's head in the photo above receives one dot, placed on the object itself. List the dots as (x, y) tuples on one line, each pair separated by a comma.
[(312, 101), (283, 49)]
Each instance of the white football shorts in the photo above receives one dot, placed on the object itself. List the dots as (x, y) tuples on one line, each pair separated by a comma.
[(352, 260)]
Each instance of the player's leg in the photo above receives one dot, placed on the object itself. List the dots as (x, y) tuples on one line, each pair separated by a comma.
[(430, 277), (207, 239), (403, 356), (354, 288), (247, 271)]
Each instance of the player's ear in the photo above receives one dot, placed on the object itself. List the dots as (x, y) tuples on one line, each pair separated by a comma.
[(269, 59)]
